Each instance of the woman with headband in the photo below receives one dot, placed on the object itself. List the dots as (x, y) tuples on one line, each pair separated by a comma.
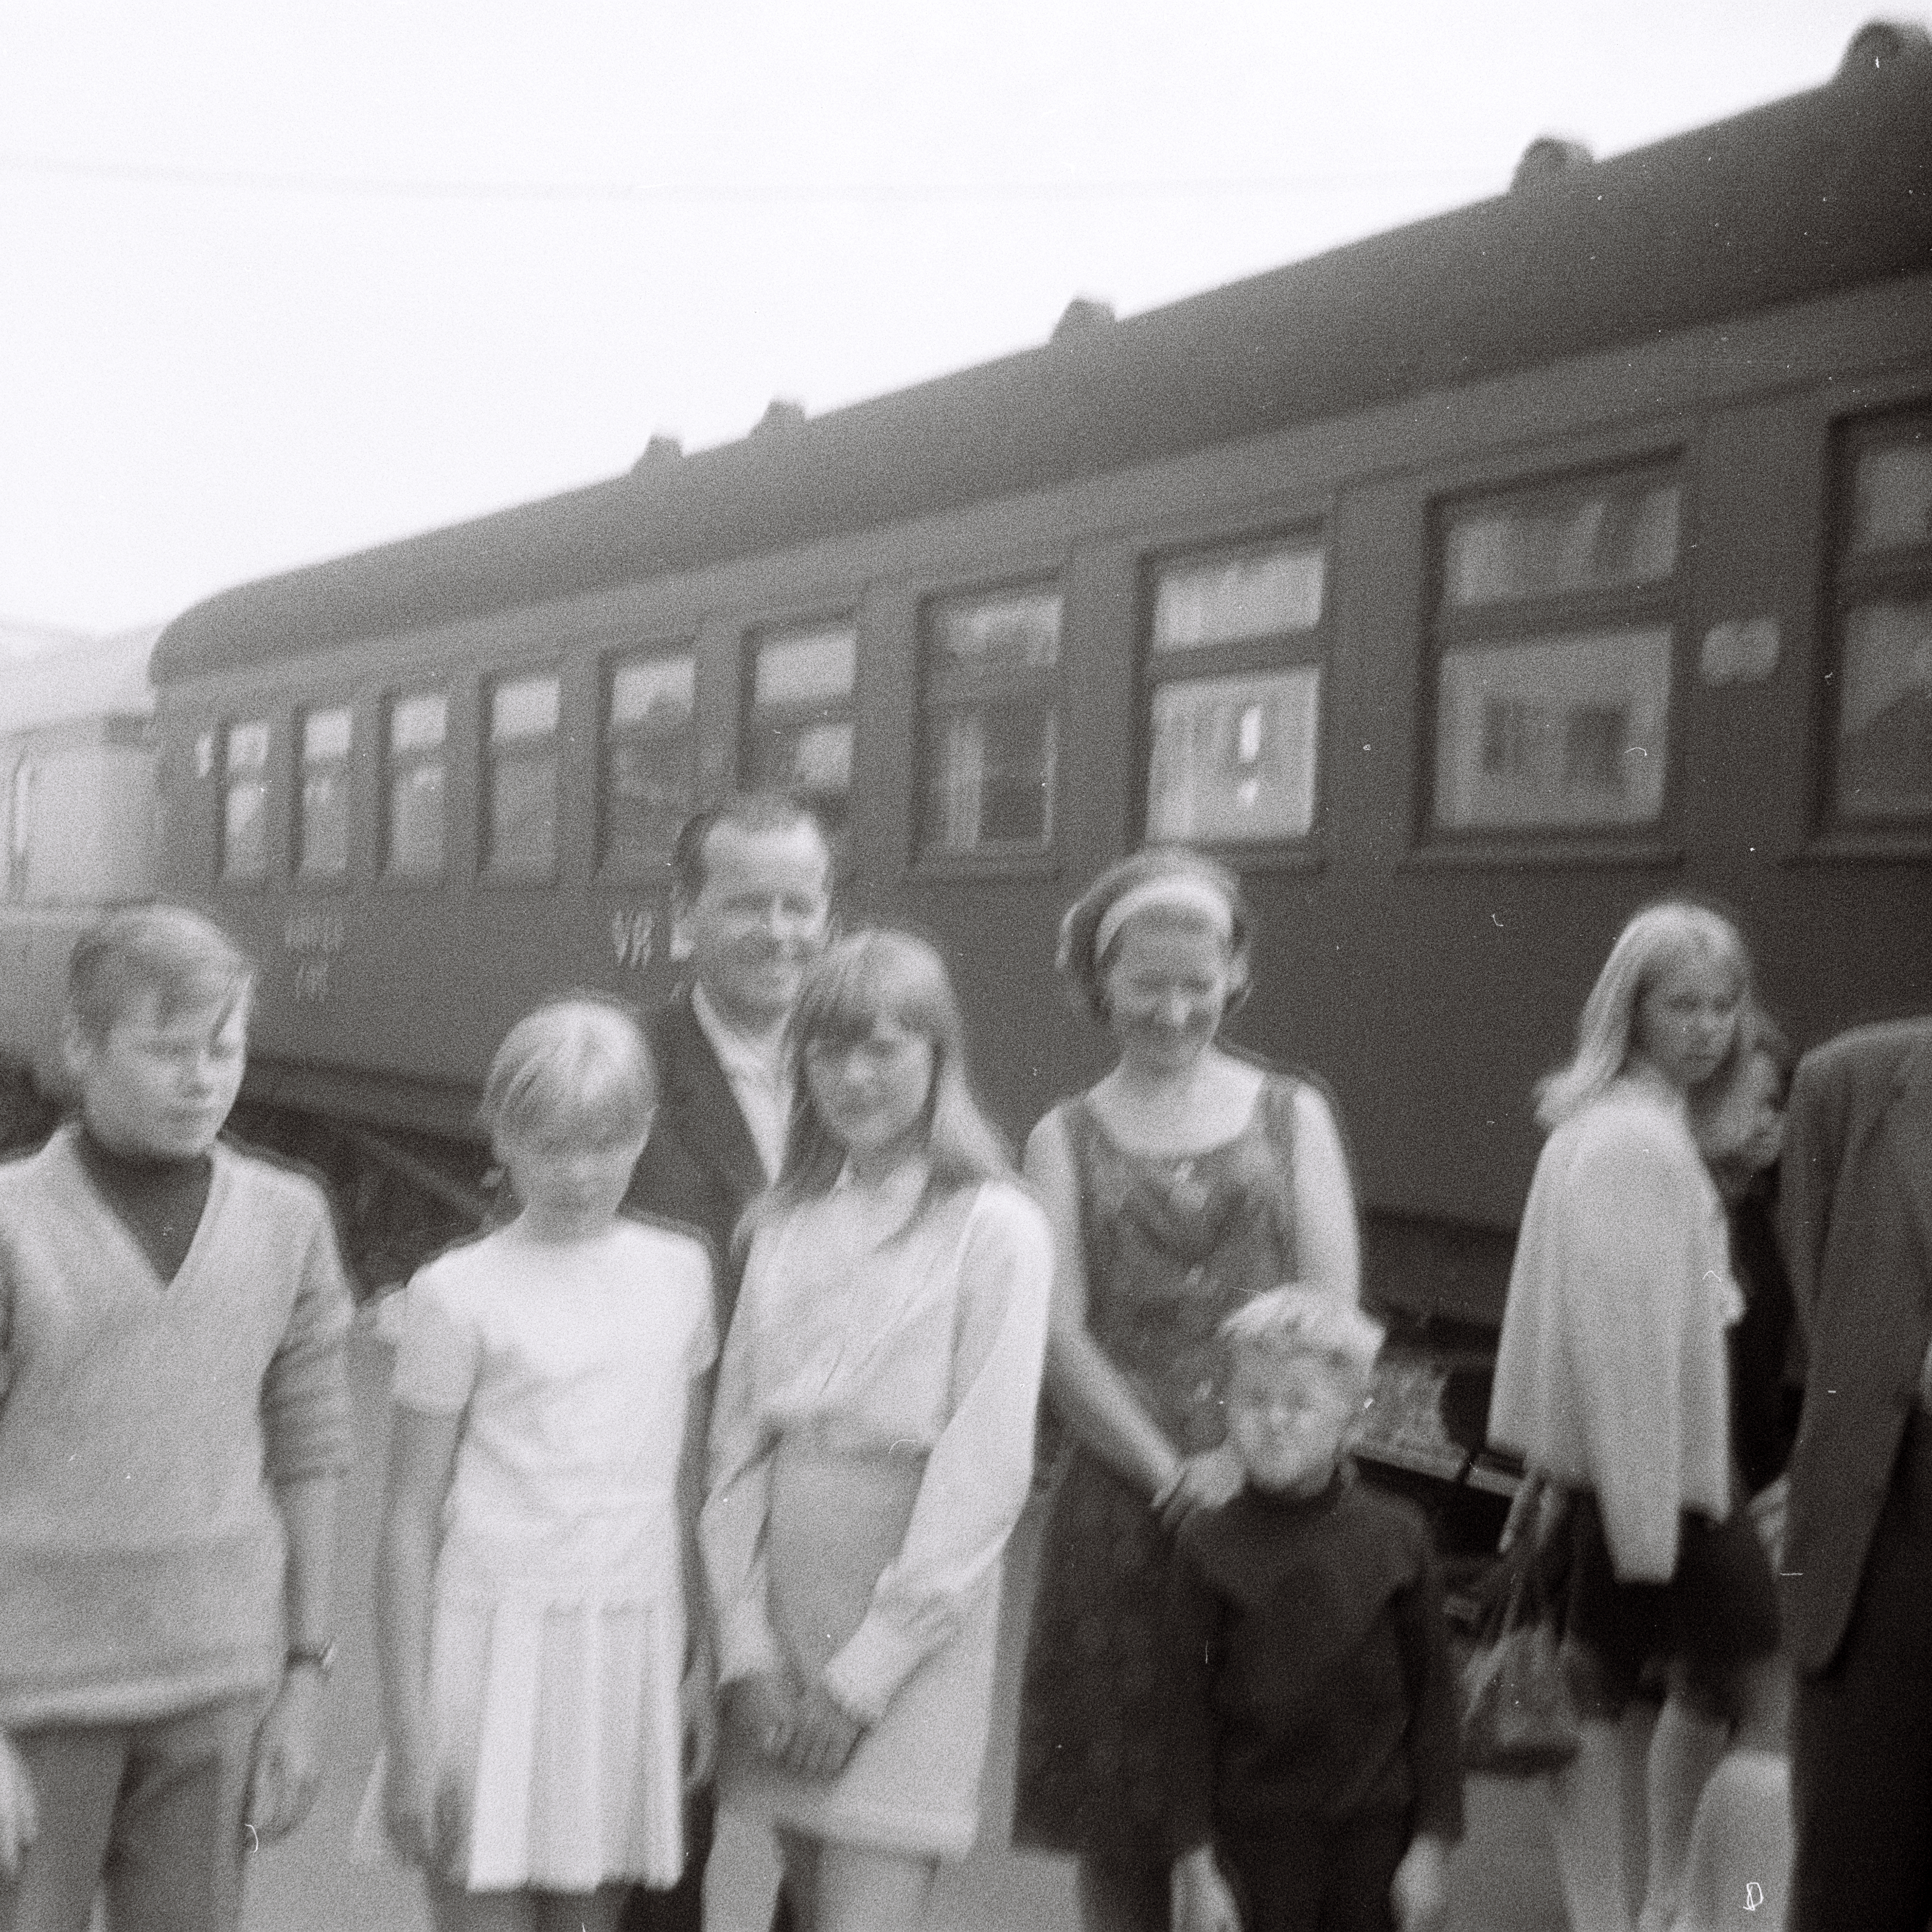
[(1188, 1180)]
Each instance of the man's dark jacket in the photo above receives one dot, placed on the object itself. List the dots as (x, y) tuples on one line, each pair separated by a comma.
[(701, 1166)]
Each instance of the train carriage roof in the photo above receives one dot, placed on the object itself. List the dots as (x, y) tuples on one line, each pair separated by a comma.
[(1828, 190)]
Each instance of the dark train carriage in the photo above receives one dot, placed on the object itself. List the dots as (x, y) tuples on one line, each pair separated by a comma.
[(1464, 587)]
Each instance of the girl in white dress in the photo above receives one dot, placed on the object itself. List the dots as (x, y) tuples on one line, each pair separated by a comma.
[(542, 1701), (872, 1448)]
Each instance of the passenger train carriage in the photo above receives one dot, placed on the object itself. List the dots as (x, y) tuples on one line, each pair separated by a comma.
[(1463, 588)]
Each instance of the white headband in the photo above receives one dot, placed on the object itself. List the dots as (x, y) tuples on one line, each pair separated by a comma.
[(1176, 892)]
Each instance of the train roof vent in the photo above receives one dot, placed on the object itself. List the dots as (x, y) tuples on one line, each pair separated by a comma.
[(661, 448), (1082, 316), (1548, 158), (1880, 44), (782, 415)]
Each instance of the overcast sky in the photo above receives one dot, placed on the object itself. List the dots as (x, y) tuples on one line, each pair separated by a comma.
[(280, 279)]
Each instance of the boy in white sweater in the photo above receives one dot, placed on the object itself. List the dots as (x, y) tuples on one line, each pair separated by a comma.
[(174, 1420)]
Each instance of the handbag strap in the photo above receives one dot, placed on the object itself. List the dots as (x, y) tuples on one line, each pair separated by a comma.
[(1525, 1511)]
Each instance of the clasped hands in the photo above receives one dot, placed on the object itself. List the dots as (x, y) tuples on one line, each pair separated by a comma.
[(804, 1727)]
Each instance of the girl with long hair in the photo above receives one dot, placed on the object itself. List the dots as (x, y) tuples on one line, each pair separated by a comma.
[(1612, 1380), (871, 1447)]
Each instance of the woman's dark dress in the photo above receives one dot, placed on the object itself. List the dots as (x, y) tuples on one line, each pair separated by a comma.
[(1172, 1247)]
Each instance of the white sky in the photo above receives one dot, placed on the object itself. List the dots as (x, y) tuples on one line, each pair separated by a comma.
[(279, 279)]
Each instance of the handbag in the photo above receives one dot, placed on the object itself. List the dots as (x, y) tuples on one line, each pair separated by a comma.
[(1519, 1718)]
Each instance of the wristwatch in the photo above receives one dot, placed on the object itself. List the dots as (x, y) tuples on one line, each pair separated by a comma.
[(320, 1657)]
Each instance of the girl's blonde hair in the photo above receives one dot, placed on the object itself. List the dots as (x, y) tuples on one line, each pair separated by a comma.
[(858, 981), (577, 1070), (1659, 940)]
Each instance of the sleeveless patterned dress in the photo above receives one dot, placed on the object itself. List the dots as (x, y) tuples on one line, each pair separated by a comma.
[(1173, 1246)]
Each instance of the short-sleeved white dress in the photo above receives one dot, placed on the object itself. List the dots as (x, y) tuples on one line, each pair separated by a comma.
[(557, 1633), (870, 1450)]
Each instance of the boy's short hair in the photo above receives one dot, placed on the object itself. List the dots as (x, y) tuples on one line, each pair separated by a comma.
[(1294, 1323), (579, 1069), (185, 960), (757, 814)]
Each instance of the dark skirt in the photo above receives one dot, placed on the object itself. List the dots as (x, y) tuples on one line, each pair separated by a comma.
[(1718, 1611), (1094, 1719)]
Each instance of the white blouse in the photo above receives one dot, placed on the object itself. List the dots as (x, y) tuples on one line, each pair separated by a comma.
[(879, 1322)]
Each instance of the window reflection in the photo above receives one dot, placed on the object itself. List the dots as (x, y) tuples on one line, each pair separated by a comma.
[(1554, 732), (244, 802), (1254, 594), (323, 850), (1234, 711), (1617, 535), (1885, 724), (413, 833), (1234, 757), (650, 757), (799, 733), (521, 832), (991, 743)]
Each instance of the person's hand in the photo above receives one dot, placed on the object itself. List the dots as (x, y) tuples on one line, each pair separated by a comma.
[(1768, 1510), (1420, 1892), (764, 1707), (19, 1816), (825, 1735), (1208, 1479), (285, 1775), (697, 1704), (1200, 1899)]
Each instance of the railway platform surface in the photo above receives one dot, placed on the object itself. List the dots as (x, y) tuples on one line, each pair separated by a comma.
[(1504, 1877)]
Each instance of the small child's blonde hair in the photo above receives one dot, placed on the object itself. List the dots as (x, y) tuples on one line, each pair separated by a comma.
[(578, 1070), (1293, 1323)]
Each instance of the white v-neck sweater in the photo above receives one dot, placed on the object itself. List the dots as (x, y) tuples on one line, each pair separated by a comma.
[(142, 1425)]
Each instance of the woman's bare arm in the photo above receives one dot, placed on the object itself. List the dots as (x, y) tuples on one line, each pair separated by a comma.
[(1329, 1242), (1093, 1399)]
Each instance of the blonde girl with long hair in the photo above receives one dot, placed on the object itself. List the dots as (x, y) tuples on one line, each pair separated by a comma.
[(1612, 1380)]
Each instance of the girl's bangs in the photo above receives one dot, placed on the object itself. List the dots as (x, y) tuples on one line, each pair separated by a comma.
[(847, 997)]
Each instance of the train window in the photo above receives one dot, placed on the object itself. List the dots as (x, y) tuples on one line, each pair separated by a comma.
[(521, 831), (322, 840), (1884, 739), (1553, 630), (414, 780), (245, 800), (798, 736), (650, 757), (991, 721), (1234, 703)]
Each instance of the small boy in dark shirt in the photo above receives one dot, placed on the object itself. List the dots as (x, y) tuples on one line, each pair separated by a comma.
[(1316, 1775)]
